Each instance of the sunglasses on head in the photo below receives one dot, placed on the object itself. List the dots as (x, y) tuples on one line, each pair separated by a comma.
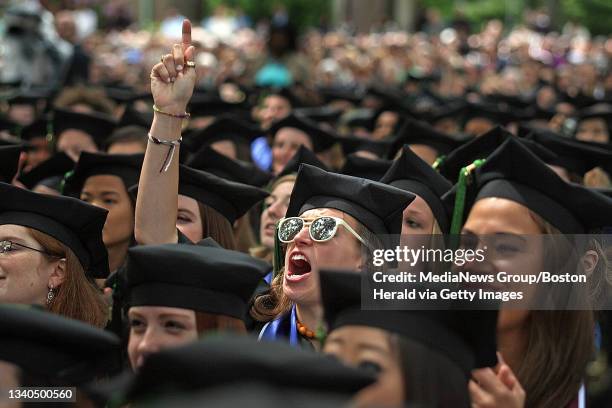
[(321, 229)]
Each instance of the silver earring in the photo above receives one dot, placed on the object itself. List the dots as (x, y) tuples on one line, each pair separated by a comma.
[(50, 296)]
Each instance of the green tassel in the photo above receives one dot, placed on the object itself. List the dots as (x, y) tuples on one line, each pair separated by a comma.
[(462, 184), (438, 162), (321, 333), (277, 258), (63, 182)]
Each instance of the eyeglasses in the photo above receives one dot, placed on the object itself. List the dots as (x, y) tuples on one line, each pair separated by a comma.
[(321, 229), (7, 246)]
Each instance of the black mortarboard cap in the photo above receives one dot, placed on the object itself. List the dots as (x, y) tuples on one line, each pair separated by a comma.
[(322, 139), (225, 360), (97, 125), (351, 144), (208, 159), (323, 114), (8, 125), (515, 173), (420, 133), (72, 222), (230, 199), (125, 166), (377, 206), (9, 162), (603, 111), (63, 351), (371, 169), (341, 94), (410, 173), (209, 279), (467, 337), (55, 167), (302, 155), (576, 156), (452, 110), (132, 117), (475, 149), (206, 104), (359, 118), (487, 111), (223, 128), (37, 129)]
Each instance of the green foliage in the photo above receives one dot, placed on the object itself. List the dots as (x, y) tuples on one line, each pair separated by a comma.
[(303, 13), (594, 14)]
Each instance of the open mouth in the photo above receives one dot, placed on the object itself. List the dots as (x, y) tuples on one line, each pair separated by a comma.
[(270, 229), (298, 266)]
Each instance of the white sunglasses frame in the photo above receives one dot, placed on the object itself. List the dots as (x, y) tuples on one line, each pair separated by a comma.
[(339, 221)]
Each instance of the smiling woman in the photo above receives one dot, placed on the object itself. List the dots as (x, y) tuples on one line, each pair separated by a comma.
[(333, 221), (209, 293), (51, 252)]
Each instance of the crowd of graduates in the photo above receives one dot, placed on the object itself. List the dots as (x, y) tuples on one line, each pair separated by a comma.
[(191, 228)]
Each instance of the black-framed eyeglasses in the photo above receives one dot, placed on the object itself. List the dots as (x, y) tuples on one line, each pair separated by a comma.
[(7, 246)]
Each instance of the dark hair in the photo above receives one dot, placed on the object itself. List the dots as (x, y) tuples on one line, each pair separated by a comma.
[(127, 134), (430, 378), (217, 227)]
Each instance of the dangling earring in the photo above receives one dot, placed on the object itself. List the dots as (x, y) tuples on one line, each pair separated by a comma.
[(50, 296)]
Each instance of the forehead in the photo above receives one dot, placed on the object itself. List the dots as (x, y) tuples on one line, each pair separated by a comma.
[(499, 215), (290, 133), (11, 230), (104, 181), (284, 188), (153, 311), (319, 212)]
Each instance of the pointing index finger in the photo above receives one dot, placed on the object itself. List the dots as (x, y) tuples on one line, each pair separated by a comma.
[(186, 34)]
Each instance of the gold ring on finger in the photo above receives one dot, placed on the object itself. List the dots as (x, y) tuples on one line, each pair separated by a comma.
[(190, 64)]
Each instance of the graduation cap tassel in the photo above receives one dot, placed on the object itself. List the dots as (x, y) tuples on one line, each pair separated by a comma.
[(464, 173), (277, 258), (436, 164)]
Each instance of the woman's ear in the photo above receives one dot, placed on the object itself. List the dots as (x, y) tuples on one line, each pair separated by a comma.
[(589, 261), (58, 276)]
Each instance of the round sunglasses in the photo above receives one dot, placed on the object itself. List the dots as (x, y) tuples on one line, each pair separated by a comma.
[(321, 229)]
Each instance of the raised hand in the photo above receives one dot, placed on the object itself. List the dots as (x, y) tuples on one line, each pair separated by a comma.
[(172, 79), (489, 389)]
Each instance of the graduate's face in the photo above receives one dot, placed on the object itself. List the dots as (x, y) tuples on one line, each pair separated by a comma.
[(155, 328), (26, 275), (276, 207), (73, 142), (188, 218), (370, 348), (593, 130), (478, 126), (417, 218), (126, 148), (226, 148), (385, 125), (425, 153), (109, 192), (305, 257), (274, 108), (509, 223), (286, 142)]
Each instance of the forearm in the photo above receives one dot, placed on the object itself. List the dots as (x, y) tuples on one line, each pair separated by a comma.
[(156, 204)]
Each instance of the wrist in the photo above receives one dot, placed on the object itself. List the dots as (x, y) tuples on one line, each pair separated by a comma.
[(173, 109)]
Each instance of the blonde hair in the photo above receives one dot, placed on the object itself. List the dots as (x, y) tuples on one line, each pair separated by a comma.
[(275, 303), (261, 251), (77, 297)]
